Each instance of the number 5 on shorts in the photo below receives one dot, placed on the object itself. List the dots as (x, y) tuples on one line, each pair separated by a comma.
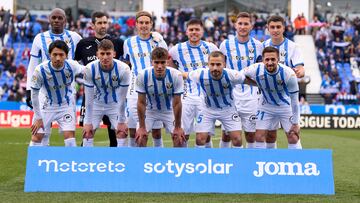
[(199, 118)]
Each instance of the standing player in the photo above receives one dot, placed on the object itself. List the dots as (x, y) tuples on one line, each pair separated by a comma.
[(217, 84), (86, 53), (241, 52), (280, 92), (159, 98), (55, 80), (137, 52), (189, 56), (106, 84), (39, 50), (289, 55)]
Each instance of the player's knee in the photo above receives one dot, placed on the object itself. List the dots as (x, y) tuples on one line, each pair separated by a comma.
[(293, 137), (37, 138), (201, 139), (250, 137), (225, 137), (156, 133), (260, 136), (208, 138)]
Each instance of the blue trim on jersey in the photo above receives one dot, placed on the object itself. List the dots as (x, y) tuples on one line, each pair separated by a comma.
[(182, 59), (259, 82), (254, 46), (277, 90), (228, 53), (283, 79), (64, 80), (230, 86), (208, 102), (132, 56), (247, 54), (47, 87), (302, 64), (223, 92), (56, 83), (113, 93), (286, 51), (43, 42), (146, 75), (156, 91), (293, 92), (103, 84), (142, 59), (170, 80), (193, 61), (201, 55), (39, 56), (239, 55), (268, 88), (72, 44), (212, 90), (166, 96)]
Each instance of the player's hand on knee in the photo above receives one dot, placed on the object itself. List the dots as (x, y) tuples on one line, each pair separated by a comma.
[(88, 131), (178, 136), (141, 137), (122, 130), (36, 126), (294, 130)]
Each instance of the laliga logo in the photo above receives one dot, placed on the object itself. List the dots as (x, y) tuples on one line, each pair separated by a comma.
[(286, 169), (15, 120)]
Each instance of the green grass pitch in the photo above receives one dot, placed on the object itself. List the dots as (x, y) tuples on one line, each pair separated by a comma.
[(344, 143)]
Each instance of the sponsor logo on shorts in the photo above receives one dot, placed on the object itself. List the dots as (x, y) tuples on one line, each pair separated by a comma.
[(235, 117), (67, 118)]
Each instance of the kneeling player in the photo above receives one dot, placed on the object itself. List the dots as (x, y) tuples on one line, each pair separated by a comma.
[(106, 82), (55, 79), (159, 99)]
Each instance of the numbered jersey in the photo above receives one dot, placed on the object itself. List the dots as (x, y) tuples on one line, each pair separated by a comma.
[(188, 58), (159, 92)]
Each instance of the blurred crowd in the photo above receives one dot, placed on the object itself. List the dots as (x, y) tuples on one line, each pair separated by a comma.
[(336, 39)]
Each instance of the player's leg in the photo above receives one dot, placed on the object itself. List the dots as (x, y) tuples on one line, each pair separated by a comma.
[(293, 137), (132, 119), (249, 126), (111, 131), (231, 123), (225, 141), (189, 112), (236, 140), (156, 125), (205, 124), (88, 140), (271, 137), (265, 122), (36, 140), (67, 125)]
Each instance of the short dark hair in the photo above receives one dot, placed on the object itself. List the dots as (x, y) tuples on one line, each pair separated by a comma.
[(159, 53), (276, 18), (144, 13), (60, 45), (216, 54), (98, 14), (106, 44), (194, 21), (244, 15), (270, 49)]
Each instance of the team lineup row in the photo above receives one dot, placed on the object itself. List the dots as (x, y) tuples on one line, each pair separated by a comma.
[(245, 84)]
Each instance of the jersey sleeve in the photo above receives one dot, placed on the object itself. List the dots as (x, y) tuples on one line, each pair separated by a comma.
[(213, 47), (76, 38), (140, 85), (236, 77), (178, 82), (173, 53), (125, 77), (296, 58), (222, 47), (163, 44), (76, 67), (35, 48), (195, 75), (36, 79), (126, 55), (292, 84), (250, 71), (87, 72)]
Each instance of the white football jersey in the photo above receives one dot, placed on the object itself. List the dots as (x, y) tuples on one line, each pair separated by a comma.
[(238, 56), (56, 84), (159, 92), (217, 93), (106, 82), (188, 58)]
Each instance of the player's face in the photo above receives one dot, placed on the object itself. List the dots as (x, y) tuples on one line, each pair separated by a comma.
[(57, 57), (276, 30), (243, 27), (101, 25), (159, 67), (144, 25), (106, 57), (194, 33), (216, 66), (57, 21), (271, 59)]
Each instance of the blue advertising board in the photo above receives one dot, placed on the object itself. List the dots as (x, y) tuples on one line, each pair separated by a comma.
[(99, 169)]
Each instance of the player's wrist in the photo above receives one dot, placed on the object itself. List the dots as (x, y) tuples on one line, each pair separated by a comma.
[(293, 120)]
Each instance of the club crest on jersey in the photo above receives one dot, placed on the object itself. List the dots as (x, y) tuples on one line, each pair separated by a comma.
[(205, 51), (169, 85), (225, 86), (280, 82), (67, 75), (251, 50), (34, 78), (283, 53), (114, 78)]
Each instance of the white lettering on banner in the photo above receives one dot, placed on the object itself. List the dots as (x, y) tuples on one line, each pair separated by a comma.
[(315, 122), (286, 169), (14, 120), (63, 167), (179, 168), (341, 109)]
